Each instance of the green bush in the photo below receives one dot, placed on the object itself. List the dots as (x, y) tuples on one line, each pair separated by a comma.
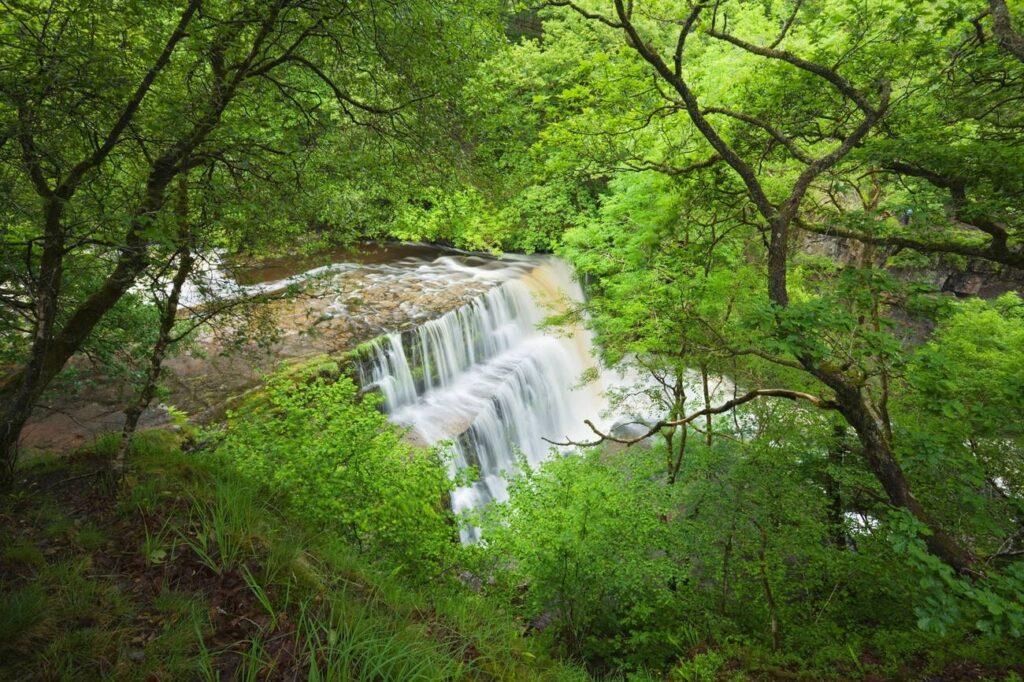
[(588, 543), (338, 461)]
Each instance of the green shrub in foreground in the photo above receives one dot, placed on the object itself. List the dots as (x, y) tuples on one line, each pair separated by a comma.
[(339, 462)]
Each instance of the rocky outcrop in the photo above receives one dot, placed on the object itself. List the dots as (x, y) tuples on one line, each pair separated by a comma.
[(976, 277)]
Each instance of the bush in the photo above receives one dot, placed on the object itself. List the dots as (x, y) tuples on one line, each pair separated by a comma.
[(337, 461), (587, 541)]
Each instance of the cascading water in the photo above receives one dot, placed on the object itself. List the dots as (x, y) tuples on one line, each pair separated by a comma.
[(486, 377)]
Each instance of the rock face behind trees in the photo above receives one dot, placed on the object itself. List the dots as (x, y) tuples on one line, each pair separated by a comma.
[(975, 277), (330, 315)]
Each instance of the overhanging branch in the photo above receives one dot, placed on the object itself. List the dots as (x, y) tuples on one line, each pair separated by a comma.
[(707, 411), (1011, 258)]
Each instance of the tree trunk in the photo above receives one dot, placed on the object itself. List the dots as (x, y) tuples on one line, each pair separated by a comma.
[(778, 254), (51, 352), (168, 316), (19, 390), (708, 436), (836, 455), (879, 456)]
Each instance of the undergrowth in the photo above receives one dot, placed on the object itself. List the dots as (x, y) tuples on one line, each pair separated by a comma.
[(194, 572)]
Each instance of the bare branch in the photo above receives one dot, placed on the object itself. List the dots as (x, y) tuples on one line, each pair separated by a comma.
[(724, 407)]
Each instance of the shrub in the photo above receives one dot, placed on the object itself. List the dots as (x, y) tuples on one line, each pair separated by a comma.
[(337, 460)]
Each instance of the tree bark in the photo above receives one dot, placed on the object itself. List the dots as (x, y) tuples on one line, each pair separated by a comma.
[(1002, 26), (168, 316), (878, 455), (708, 424), (50, 356), (20, 393), (836, 455)]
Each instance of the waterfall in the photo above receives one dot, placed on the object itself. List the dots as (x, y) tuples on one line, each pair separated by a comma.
[(487, 378)]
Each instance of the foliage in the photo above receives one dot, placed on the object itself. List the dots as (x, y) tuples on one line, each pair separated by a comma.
[(335, 457), (631, 573), (751, 173), (297, 602), (774, 196)]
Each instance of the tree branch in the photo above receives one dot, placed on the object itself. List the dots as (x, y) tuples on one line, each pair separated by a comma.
[(677, 170), (1011, 258), (961, 206), (786, 26), (683, 33), (344, 97), (728, 154), (840, 83), (70, 183), (707, 411), (778, 135), (582, 12)]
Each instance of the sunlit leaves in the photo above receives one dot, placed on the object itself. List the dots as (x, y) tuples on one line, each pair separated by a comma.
[(339, 461)]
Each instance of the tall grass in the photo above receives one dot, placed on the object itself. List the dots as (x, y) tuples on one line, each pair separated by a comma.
[(222, 530), (344, 645)]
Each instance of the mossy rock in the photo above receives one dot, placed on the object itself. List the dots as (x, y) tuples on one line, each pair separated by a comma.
[(254, 401)]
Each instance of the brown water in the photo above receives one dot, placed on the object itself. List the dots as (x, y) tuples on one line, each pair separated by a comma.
[(282, 267)]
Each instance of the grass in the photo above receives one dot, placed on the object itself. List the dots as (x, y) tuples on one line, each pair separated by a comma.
[(192, 573)]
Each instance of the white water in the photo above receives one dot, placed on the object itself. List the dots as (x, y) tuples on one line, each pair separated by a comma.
[(486, 377)]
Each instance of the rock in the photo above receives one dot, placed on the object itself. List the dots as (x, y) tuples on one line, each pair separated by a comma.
[(963, 283)]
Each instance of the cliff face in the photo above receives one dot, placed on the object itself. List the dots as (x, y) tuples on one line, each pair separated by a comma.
[(975, 277)]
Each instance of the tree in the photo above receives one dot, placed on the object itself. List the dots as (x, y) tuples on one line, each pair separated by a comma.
[(806, 127), (104, 106)]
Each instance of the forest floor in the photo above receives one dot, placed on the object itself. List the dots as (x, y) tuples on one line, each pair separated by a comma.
[(186, 573)]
